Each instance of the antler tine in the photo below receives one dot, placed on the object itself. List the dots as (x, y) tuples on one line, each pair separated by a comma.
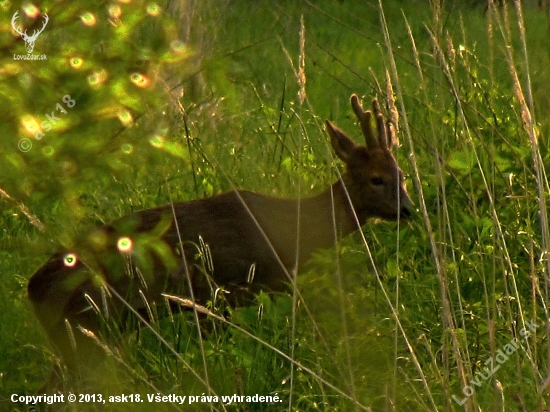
[(13, 23), (38, 31), (390, 132), (364, 120), (46, 20), (380, 124)]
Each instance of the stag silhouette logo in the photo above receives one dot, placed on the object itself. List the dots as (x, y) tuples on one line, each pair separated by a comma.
[(29, 40)]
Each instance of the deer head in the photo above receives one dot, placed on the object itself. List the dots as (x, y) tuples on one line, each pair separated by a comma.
[(372, 178), (29, 40)]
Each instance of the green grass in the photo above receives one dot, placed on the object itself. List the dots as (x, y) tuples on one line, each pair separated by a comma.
[(403, 317)]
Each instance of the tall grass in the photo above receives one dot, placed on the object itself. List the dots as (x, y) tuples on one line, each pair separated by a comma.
[(399, 316)]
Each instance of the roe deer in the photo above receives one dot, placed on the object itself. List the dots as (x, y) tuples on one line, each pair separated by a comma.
[(252, 241)]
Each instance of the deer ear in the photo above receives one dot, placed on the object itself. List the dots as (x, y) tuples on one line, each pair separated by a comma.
[(343, 146)]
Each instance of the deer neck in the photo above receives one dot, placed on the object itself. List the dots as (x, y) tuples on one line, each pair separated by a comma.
[(327, 217)]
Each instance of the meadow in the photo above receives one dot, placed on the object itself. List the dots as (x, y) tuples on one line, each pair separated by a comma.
[(444, 312)]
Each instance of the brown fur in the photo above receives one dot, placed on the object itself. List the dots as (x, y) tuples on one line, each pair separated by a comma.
[(240, 229)]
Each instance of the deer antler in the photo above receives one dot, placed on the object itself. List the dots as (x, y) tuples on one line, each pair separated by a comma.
[(29, 40), (18, 31), (385, 131), (37, 32), (364, 120)]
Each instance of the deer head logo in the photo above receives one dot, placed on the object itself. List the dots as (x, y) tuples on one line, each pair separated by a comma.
[(29, 40)]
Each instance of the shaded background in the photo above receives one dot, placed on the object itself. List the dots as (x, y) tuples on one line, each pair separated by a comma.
[(179, 100)]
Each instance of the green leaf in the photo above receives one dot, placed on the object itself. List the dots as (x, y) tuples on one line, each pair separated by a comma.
[(463, 161)]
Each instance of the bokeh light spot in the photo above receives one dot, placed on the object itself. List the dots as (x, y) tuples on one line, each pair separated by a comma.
[(127, 148), (31, 11), (48, 151), (157, 141), (140, 80), (30, 124), (88, 19), (124, 244), (97, 78), (153, 9), (76, 62), (70, 260), (125, 117), (114, 11), (178, 47)]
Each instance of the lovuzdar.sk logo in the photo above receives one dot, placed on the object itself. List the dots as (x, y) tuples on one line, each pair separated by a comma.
[(28, 39)]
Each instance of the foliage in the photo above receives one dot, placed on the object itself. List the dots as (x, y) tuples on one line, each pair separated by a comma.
[(407, 315)]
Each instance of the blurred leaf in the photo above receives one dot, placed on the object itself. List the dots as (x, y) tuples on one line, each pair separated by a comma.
[(463, 161)]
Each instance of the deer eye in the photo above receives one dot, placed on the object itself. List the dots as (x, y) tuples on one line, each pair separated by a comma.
[(377, 181)]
